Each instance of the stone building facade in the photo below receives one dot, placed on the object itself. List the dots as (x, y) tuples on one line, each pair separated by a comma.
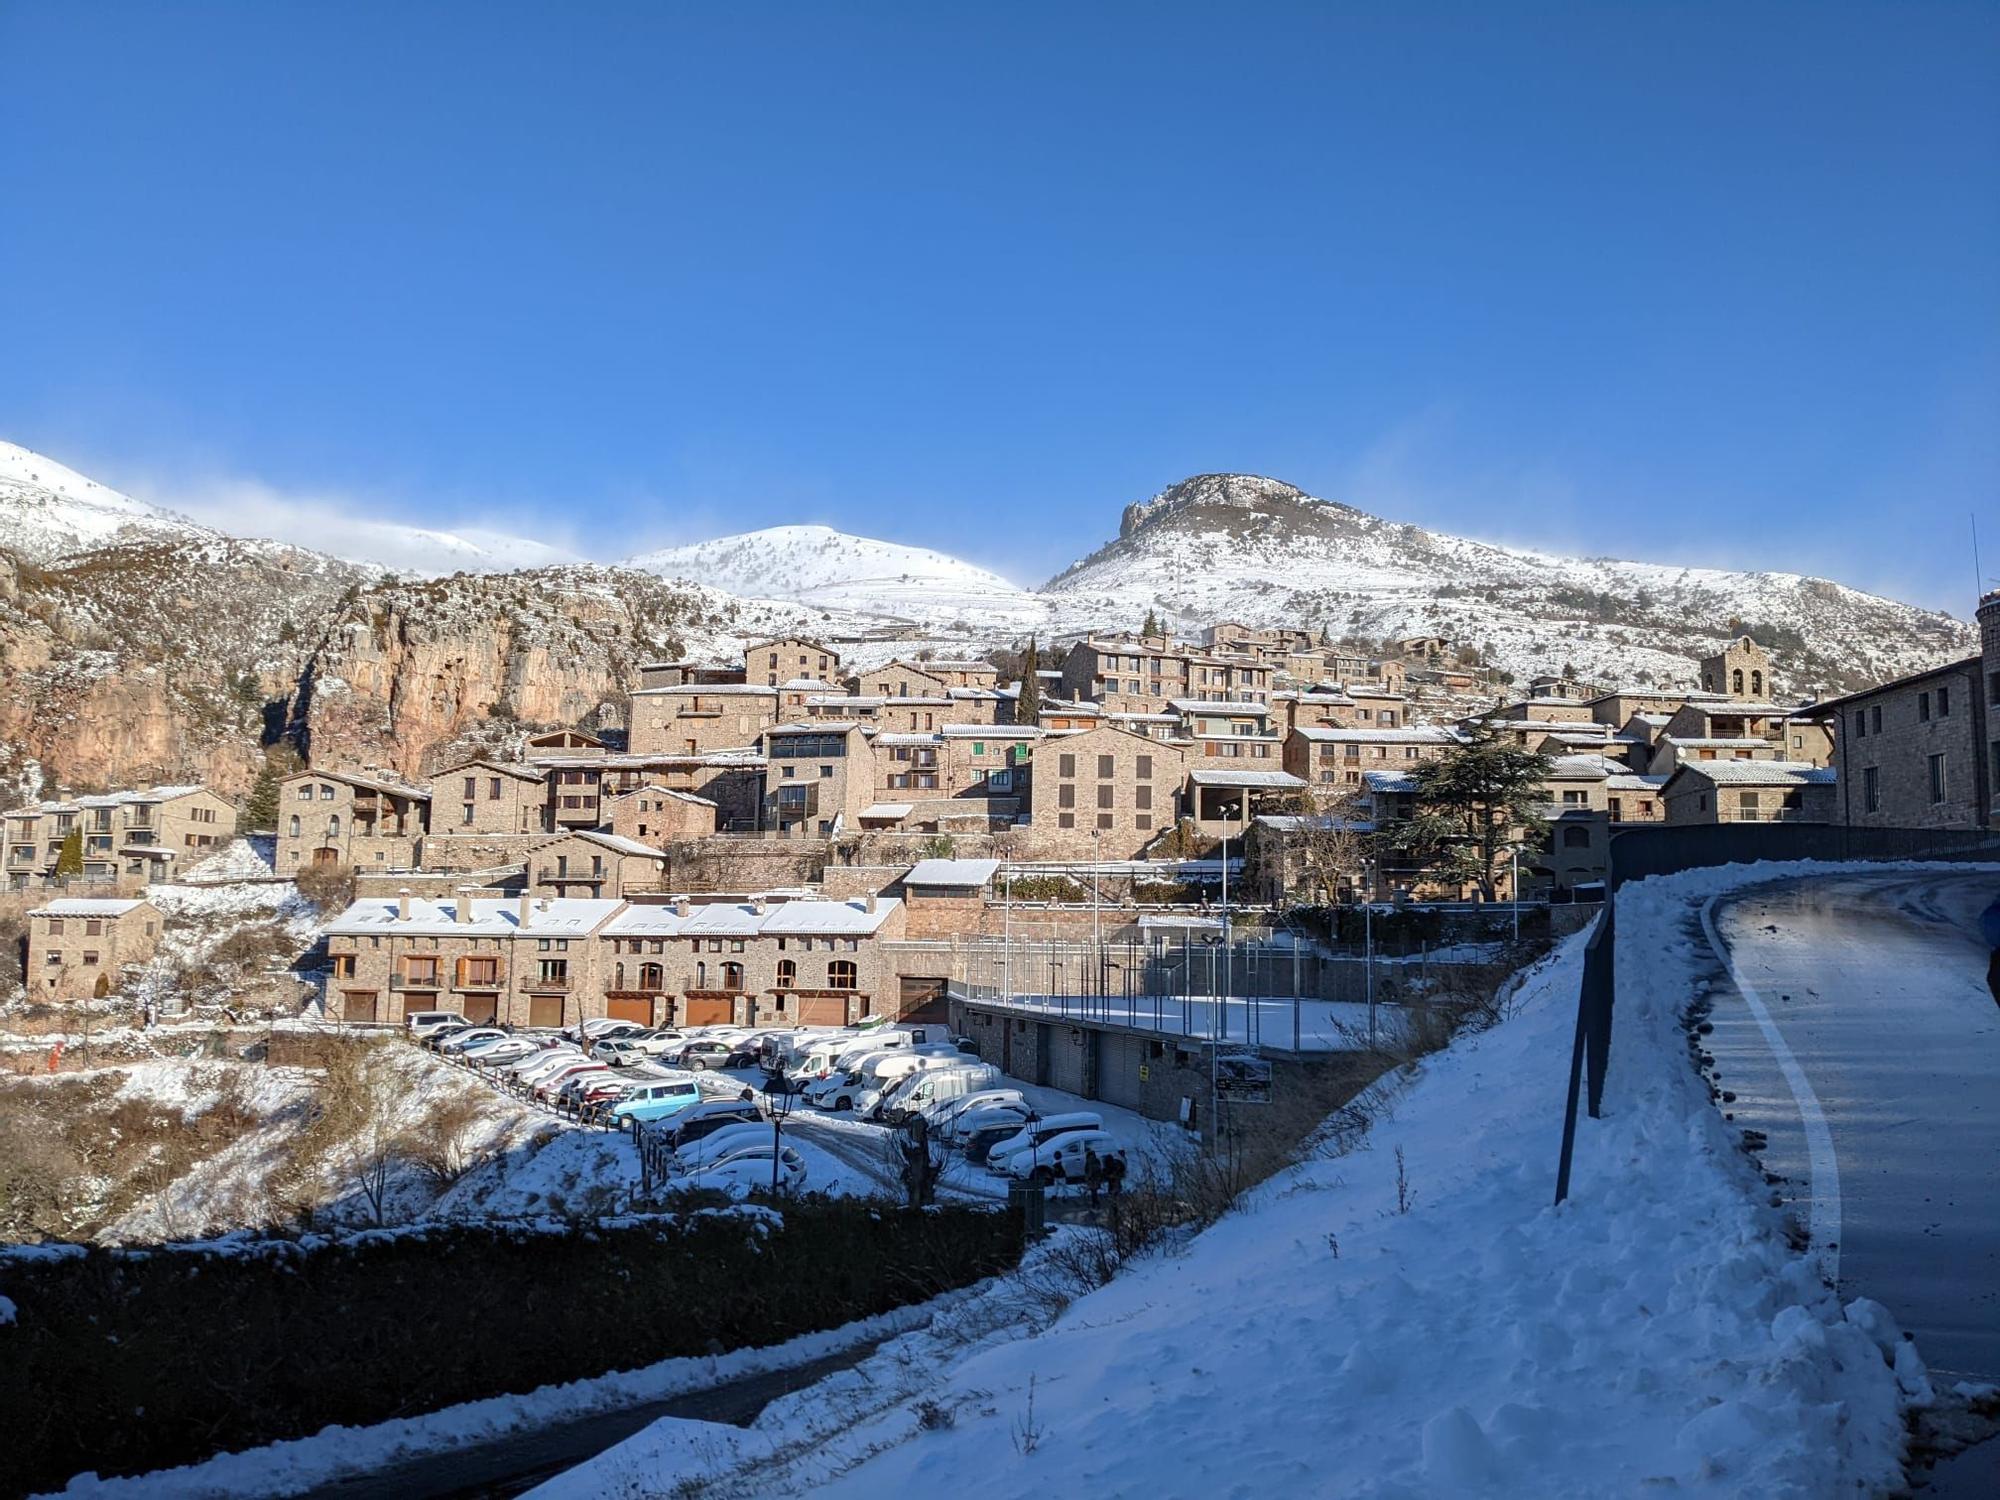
[(490, 796), (79, 946), (1104, 792), (124, 837), (1921, 752), (363, 819), (701, 718)]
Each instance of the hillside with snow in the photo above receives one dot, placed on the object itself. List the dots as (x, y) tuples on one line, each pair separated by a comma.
[(828, 569), (48, 509)]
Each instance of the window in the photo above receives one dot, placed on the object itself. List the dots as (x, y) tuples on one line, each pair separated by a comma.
[(55, 926), (1105, 795), (788, 974), (326, 794), (1861, 721), (1142, 798), (842, 974), (732, 976), (306, 791), (465, 814), (1106, 820), (1747, 802), (1994, 751), (1576, 838), (1065, 765), (1871, 790), (1923, 708), (471, 787), (295, 825), (1936, 765), (1106, 768), (1066, 795), (1145, 768), (333, 826), (1757, 683), (1875, 719), (1944, 703), (493, 789), (1736, 682), (1065, 820)]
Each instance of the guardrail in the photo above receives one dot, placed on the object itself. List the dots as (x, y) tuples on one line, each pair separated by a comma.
[(1639, 851)]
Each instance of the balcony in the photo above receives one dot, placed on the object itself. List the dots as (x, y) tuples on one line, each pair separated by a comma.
[(546, 984), (477, 979), (554, 875), (414, 982)]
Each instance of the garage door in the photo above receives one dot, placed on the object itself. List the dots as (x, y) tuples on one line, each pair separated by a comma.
[(821, 1010), (357, 1005), (630, 1008), (922, 999), (482, 1009), (707, 1011), (1063, 1050), (1119, 1059), (545, 1010)]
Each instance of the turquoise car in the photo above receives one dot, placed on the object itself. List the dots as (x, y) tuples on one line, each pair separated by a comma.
[(654, 1101)]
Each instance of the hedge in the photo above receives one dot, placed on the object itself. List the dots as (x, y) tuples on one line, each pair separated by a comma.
[(124, 1361)]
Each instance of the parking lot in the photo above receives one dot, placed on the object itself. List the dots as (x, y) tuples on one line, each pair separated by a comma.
[(637, 1091)]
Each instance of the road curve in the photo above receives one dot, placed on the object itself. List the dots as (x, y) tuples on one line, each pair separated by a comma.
[(1859, 1036)]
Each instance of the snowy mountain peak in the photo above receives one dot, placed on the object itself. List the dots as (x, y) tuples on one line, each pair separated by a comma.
[(48, 509), (1213, 491)]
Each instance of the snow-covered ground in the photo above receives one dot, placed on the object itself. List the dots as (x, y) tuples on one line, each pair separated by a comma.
[(1411, 1318)]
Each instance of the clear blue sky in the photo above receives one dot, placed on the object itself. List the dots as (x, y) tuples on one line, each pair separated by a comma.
[(1697, 283)]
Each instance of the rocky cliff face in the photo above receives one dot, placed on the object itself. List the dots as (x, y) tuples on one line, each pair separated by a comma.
[(407, 670)]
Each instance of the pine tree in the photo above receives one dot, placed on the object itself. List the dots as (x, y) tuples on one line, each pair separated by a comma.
[(1474, 804), (69, 863), (260, 809), (1028, 707), (1152, 625)]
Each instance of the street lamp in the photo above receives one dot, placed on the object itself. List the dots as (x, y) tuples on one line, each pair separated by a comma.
[(779, 1101), (1514, 888), (1368, 942)]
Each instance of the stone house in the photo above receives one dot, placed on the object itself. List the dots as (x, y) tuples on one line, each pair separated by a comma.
[(753, 963), (79, 946), (1750, 792), (731, 779), (129, 837), (483, 796), (1575, 854), (898, 679), (962, 778), (787, 658), (701, 718), (1671, 753), (1633, 798), (1221, 800), (1104, 792), (1546, 710), (818, 778), (364, 819), (1328, 758), (589, 862), (1142, 674), (1922, 751), (964, 672), (653, 812), (528, 961), (945, 898), (558, 743), (1274, 643)]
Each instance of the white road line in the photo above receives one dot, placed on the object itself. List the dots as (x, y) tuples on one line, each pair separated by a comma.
[(1823, 1222)]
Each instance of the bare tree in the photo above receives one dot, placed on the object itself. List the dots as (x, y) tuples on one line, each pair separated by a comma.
[(1324, 850)]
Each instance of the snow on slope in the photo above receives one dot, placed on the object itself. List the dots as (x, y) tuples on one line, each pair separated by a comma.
[(830, 569), (1656, 1334), (47, 509)]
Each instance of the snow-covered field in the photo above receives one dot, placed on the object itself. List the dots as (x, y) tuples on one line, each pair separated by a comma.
[(1412, 1318)]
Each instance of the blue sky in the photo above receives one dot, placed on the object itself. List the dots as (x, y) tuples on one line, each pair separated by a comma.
[(1691, 283)]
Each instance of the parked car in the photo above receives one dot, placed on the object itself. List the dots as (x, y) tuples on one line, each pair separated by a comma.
[(720, 1143), (931, 1092), (748, 1170), (473, 1051), (513, 1049), (571, 1089), (423, 1022), (704, 1119), (1062, 1159), (653, 1101), (435, 1040), (943, 1114), (656, 1043), (1033, 1140), (545, 1088), (619, 1051), (594, 1100), (978, 1131), (701, 1053), (471, 1036), (907, 1083), (531, 1070)]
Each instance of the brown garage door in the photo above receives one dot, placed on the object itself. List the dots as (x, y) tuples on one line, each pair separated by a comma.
[(630, 1008), (707, 1010), (923, 1000), (545, 1010), (482, 1009), (821, 1010), (357, 1005)]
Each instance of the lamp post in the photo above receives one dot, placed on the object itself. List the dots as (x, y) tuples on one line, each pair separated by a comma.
[(778, 1100), (1514, 888), (1368, 942), (1096, 896)]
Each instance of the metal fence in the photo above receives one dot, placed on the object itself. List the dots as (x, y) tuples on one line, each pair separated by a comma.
[(1639, 852)]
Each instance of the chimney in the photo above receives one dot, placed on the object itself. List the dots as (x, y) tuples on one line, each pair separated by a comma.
[(521, 913), (682, 906), (870, 907), (403, 904), (465, 905)]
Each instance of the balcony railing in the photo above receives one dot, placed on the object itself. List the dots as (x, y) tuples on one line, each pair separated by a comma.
[(474, 980), (413, 982), (547, 984)]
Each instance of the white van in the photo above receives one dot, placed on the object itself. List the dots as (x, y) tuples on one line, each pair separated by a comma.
[(890, 1073), (919, 1092), (1033, 1140), (423, 1022), (1063, 1159), (944, 1114), (852, 1075)]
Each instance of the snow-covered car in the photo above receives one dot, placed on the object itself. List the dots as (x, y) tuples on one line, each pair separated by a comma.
[(945, 1114), (718, 1144), (511, 1050), (978, 1131), (1033, 1140), (704, 1119), (1063, 1159), (528, 1070), (655, 1043), (748, 1171), (572, 1081)]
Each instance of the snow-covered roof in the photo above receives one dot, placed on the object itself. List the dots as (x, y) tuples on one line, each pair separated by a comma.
[(653, 919), (952, 872), (1759, 772), (855, 701), (1217, 776), (374, 781), (1217, 706), (661, 791), (615, 842), (991, 731), (86, 906), (1389, 781), (625, 761), (1581, 767), (556, 916), (708, 690), (1628, 781), (844, 918), (505, 768), (1414, 734), (808, 685), (1701, 743)]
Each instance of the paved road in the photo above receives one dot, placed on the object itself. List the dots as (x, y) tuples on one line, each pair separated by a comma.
[(516, 1464), (1872, 991)]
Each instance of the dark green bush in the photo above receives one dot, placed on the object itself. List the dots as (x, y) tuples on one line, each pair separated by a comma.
[(124, 1361)]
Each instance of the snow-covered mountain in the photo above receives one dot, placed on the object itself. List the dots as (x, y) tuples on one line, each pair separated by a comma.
[(1244, 547), (47, 509), (828, 569)]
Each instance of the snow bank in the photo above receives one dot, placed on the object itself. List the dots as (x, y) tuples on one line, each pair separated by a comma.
[(1454, 1334)]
